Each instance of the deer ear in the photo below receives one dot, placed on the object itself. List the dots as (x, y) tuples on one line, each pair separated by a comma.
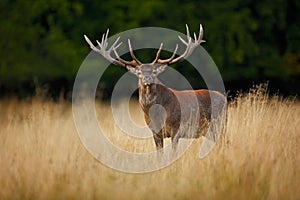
[(132, 69), (161, 68)]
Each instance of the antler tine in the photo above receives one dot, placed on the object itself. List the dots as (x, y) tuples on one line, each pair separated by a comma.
[(166, 61), (195, 37), (115, 45), (132, 54), (200, 34), (105, 41), (182, 55), (100, 44), (157, 54), (190, 45), (182, 40), (199, 40), (102, 41), (88, 41), (133, 63), (187, 31), (174, 53), (91, 44)]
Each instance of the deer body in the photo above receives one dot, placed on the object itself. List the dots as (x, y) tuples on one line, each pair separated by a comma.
[(165, 109), (168, 99)]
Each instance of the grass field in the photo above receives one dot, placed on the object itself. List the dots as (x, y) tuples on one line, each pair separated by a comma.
[(41, 156)]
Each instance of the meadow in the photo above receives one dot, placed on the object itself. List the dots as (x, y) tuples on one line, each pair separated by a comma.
[(258, 157)]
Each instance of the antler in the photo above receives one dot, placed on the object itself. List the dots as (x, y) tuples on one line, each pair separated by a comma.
[(106, 52), (190, 47)]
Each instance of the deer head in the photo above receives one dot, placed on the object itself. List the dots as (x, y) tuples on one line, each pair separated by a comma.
[(146, 72)]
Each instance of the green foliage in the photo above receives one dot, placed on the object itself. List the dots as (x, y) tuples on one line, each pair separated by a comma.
[(249, 40), (34, 45)]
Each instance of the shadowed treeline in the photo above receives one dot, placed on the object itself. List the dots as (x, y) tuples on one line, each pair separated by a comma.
[(251, 41)]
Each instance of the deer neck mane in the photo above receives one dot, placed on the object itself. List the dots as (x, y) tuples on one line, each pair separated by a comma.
[(156, 94)]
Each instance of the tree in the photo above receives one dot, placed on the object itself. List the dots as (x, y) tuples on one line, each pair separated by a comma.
[(42, 42)]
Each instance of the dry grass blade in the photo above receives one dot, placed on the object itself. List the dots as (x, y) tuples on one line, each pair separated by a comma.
[(41, 156)]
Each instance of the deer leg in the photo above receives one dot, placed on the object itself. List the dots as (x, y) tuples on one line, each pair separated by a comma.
[(158, 139), (174, 140)]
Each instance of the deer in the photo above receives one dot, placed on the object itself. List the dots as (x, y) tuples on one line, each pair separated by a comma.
[(166, 120)]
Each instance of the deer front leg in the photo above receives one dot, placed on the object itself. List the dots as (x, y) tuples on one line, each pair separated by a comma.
[(159, 142)]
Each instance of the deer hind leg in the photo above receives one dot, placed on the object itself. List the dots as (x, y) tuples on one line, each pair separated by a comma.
[(216, 128), (174, 139), (174, 144)]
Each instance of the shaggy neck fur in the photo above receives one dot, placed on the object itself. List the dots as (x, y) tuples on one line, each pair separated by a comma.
[(156, 94)]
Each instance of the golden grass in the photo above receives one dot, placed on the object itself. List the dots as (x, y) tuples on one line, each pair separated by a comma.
[(41, 156)]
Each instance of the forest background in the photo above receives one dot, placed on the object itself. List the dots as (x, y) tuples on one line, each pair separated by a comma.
[(251, 42)]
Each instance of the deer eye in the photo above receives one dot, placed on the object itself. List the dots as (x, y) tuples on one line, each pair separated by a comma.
[(154, 72), (139, 74)]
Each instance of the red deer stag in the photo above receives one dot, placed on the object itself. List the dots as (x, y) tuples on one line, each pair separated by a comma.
[(152, 92)]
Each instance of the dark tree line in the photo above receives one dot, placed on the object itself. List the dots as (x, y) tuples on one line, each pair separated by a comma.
[(250, 41)]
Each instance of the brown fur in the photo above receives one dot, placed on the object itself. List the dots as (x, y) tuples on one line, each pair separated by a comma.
[(168, 98)]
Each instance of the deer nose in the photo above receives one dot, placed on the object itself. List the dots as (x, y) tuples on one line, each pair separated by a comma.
[(147, 80)]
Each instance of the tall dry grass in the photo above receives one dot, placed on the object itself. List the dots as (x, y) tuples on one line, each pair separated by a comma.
[(41, 156)]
